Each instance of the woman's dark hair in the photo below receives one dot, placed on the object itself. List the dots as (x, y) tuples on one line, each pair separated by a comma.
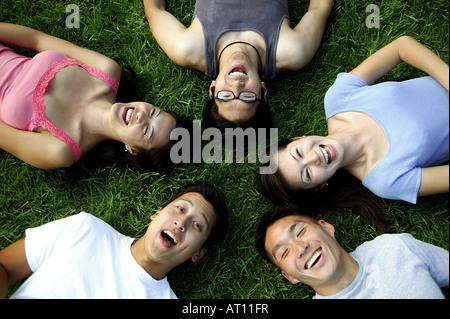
[(261, 119), (113, 152), (343, 191), (215, 197)]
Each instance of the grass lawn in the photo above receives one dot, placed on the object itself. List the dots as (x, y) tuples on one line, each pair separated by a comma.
[(126, 199)]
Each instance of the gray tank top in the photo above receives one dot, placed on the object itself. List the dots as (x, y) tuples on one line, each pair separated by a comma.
[(262, 16)]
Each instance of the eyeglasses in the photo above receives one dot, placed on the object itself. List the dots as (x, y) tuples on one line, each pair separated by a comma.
[(243, 96)]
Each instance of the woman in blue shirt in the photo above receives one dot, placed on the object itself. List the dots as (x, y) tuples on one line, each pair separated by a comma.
[(391, 136)]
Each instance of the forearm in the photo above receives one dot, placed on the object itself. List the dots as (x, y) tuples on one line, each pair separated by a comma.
[(154, 4), (419, 56), (322, 5), (18, 35)]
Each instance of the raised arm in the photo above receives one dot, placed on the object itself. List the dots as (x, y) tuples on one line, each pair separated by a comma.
[(13, 266), (184, 46), (31, 39), (403, 49), (297, 46)]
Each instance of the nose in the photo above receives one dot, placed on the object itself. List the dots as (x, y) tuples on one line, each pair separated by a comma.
[(301, 247), (312, 158), (141, 117), (180, 224)]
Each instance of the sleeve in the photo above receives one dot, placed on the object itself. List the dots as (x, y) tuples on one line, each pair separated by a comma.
[(339, 94), (395, 182), (42, 241), (434, 257)]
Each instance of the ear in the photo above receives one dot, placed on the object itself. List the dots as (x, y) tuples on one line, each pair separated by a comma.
[(199, 255), (211, 90), (263, 85), (131, 150), (155, 214), (291, 279), (328, 227)]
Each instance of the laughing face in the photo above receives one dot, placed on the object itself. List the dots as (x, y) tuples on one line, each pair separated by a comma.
[(304, 249), (179, 230), (308, 162), (238, 75), (140, 125)]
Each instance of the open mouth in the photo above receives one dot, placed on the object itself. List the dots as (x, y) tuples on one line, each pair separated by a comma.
[(238, 71), (127, 115), (169, 238), (328, 153), (314, 259)]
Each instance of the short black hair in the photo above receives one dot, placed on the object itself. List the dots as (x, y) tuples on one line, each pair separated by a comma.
[(215, 197), (261, 119)]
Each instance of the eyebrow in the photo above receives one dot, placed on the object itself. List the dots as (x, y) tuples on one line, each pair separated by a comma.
[(201, 213), (301, 177), (291, 230), (153, 127)]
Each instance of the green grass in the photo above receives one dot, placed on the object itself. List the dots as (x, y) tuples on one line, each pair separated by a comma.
[(126, 199)]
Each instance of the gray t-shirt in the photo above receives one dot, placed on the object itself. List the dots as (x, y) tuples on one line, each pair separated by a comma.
[(397, 266)]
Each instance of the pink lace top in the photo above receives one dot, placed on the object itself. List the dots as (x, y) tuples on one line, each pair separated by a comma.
[(38, 100), (19, 90)]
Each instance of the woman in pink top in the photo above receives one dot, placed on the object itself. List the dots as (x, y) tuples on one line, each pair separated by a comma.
[(61, 104)]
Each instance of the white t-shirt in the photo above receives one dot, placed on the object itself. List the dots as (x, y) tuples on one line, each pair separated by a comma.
[(83, 257)]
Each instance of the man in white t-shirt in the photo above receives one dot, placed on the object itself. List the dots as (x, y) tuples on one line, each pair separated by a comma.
[(83, 257), (390, 266)]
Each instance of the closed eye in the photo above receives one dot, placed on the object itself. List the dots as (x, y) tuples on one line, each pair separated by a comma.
[(197, 226)]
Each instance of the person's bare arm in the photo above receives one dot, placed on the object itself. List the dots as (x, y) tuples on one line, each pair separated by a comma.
[(435, 180), (183, 45), (297, 46), (403, 49), (31, 39), (41, 150), (13, 266)]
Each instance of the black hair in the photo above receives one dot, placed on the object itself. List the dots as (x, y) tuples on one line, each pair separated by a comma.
[(261, 119), (215, 197)]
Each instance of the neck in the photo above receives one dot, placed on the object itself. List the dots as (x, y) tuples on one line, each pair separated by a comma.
[(342, 278), (96, 120), (154, 268), (353, 144), (243, 46)]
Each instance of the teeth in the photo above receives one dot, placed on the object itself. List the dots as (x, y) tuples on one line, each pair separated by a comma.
[(128, 116), (237, 74), (313, 258), (325, 154), (171, 235)]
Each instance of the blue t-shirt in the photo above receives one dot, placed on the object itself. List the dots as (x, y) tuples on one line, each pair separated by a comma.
[(394, 266), (414, 115)]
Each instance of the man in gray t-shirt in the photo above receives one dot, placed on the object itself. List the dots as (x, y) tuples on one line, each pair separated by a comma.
[(390, 266)]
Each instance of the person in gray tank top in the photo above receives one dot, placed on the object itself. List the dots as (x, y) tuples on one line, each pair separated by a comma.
[(239, 43)]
